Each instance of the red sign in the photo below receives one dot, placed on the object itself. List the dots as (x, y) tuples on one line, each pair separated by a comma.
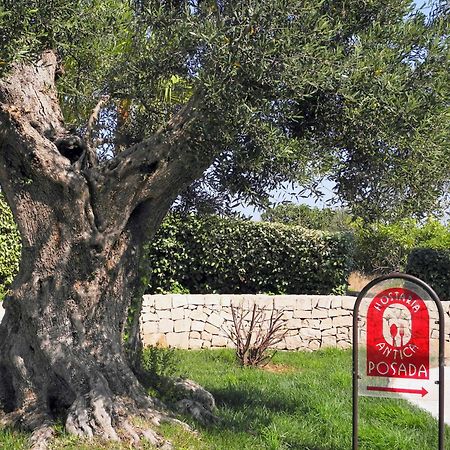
[(398, 330)]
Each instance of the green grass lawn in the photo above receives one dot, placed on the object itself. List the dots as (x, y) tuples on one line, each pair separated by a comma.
[(306, 406)]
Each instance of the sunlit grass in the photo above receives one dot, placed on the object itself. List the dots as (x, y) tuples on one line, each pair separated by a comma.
[(307, 407)]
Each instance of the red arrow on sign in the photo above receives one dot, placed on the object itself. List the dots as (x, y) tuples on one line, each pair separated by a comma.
[(422, 391)]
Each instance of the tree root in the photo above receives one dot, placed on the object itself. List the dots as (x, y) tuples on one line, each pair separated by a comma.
[(101, 414)]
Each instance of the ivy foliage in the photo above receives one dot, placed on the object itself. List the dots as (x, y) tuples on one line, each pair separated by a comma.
[(217, 255), (10, 248)]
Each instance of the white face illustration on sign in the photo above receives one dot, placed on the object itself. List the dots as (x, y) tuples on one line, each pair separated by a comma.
[(397, 325)]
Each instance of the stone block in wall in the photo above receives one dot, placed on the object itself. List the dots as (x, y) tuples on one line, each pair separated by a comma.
[(287, 314), (268, 303), (310, 333), (211, 329), (326, 324), (149, 317), (195, 343), (165, 314), (293, 324), (219, 341), (348, 303), (303, 303), (177, 313), (163, 302), (312, 323), (293, 342), (283, 303), (148, 301), (207, 337), (165, 325), (156, 339), (197, 325), (195, 300), (343, 321), (179, 300), (315, 300), (235, 299), (149, 327), (338, 312), (446, 322), (226, 315), (336, 302), (215, 319), (198, 314), (302, 314), (178, 340), (212, 300), (195, 335), (324, 303), (314, 345), (344, 344), (343, 334), (329, 341), (329, 332), (319, 313), (182, 325)]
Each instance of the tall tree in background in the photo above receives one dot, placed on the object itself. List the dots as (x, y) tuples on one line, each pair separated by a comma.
[(324, 219), (110, 109)]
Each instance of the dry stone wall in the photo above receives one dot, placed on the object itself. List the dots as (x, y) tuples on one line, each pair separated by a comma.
[(204, 321)]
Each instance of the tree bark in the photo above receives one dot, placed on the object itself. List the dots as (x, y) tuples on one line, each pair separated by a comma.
[(83, 226)]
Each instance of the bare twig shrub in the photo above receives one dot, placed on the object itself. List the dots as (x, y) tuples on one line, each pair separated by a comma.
[(254, 332)]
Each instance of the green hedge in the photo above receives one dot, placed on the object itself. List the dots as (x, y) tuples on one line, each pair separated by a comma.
[(214, 255), (9, 247), (433, 267)]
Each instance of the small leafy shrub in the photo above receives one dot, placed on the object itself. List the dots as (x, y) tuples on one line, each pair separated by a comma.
[(433, 267), (254, 337), (384, 248), (217, 255), (10, 247), (158, 363)]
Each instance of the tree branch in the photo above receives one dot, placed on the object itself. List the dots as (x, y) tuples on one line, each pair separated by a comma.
[(153, 171), (31, 119)]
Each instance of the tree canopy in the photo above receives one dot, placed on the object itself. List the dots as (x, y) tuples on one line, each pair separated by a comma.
[(287, 91)]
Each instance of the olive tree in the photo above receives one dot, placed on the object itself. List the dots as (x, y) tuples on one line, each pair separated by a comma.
[(110, 109)]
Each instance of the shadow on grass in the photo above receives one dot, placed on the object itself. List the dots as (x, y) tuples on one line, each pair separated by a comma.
[(253, 411)]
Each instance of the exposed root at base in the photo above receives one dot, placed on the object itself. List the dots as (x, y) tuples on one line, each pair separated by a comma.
[(103, 415)]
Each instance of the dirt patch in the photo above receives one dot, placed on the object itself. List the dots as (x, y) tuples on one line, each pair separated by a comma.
[(279, 368), (357, 281)]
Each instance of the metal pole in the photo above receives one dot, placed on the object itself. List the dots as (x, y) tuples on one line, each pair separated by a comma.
[(441, 375), (355, 375)]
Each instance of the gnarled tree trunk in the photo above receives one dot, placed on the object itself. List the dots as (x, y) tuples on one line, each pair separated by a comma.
[(83, 225)]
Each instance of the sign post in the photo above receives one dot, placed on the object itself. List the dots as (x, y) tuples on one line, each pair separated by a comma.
[(392, 314)]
